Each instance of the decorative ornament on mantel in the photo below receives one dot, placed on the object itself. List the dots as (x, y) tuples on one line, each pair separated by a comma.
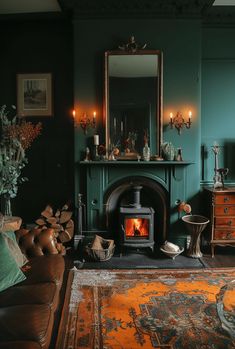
[(17, 135), (146, 149)]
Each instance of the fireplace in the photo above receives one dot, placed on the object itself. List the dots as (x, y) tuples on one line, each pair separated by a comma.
[(136, 223), (150, 204), (107, 185)]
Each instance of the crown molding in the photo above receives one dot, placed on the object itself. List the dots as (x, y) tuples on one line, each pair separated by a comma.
[(220, 16), (136, 8)]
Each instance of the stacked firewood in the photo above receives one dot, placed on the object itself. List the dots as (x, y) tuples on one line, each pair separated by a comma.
[(60, 220)]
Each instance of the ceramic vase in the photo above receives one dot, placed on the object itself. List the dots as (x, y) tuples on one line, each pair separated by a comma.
[(146, 152), (168, 151)]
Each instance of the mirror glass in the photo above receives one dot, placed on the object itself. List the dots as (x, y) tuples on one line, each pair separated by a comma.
[(133, 102)]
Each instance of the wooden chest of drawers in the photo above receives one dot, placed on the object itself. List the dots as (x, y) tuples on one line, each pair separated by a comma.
[(222, 203)]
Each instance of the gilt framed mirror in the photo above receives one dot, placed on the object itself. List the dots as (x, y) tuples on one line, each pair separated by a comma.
[(133, 101)]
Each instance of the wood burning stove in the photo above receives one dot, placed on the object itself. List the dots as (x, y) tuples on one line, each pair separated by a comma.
[(136, 223)]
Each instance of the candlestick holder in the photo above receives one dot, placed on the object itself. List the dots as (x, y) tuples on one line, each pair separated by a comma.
[(85, 122), (96, 153), (178, 121), (219, 173)]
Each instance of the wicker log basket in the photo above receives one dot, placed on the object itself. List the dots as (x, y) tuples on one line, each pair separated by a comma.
[(100, 249)]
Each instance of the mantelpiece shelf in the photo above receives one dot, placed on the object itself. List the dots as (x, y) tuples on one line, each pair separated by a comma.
[(137, 163)]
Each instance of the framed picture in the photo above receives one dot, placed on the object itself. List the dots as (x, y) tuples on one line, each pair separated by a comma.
[(34, 94)]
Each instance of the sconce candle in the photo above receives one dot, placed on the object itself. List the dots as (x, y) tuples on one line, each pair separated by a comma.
[(171, 119), (96, 140), (84, 121), (178, 121)]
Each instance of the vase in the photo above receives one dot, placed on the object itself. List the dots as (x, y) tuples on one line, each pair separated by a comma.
[(195, 224), (178, 156), (168, 151), (6, 205), (146, 152)]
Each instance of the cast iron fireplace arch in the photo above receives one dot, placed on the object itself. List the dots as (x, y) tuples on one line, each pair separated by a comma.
[(153, 194)]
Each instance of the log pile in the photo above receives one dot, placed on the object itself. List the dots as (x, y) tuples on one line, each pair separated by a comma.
[(60, 220)]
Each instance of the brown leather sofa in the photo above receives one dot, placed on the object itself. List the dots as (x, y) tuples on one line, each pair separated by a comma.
[(28, 309)]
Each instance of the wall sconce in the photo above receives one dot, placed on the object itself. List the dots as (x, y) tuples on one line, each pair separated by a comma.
[(178, 121), (85, 122)]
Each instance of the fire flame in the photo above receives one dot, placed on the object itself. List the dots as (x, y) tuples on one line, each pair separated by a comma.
[(138, 227)]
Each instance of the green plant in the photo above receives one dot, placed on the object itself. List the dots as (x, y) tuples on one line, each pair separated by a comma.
[(16, 136)]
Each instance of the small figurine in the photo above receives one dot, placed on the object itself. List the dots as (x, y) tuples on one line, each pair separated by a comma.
[(88, 155)]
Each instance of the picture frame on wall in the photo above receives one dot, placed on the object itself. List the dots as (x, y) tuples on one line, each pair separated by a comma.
[(34, 94)]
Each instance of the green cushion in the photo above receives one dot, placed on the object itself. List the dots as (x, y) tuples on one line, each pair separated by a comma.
[(14, 248), (10, 273)]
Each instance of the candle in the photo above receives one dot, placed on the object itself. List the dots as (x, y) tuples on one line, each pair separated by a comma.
[(96, 140), (94, 115), (190, 114), (74, 113), (171, 116)]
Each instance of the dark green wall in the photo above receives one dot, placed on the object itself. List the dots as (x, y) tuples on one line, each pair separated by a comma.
[(74, 54), (218, 100), (180, 42), (34, 46)]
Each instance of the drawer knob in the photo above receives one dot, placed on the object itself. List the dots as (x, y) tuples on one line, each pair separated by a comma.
[(226, 199), (229, 223), (226, 210)]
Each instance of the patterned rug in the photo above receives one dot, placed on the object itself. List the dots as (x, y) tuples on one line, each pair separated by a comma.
[(130, 309)]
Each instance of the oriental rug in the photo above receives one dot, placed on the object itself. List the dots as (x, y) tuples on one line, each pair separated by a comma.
[(163, 309)]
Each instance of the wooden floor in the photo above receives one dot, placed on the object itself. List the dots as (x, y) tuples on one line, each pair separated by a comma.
[(224, 258)]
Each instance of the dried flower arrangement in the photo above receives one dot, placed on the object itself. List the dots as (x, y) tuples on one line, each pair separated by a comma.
[(146, 137), (130, 142), (16, 136)]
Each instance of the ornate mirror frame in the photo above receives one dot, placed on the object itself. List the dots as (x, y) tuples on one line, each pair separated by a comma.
[(155, 137)]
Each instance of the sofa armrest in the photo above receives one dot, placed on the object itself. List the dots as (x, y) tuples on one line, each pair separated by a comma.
[(37, 242)]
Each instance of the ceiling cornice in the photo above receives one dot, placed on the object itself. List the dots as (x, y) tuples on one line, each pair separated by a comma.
[(136, 8), (220, 16)]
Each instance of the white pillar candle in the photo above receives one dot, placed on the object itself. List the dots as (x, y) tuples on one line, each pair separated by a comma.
[(96, 140)]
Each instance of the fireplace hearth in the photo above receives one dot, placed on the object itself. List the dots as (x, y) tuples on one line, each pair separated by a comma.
[(136, 228)]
